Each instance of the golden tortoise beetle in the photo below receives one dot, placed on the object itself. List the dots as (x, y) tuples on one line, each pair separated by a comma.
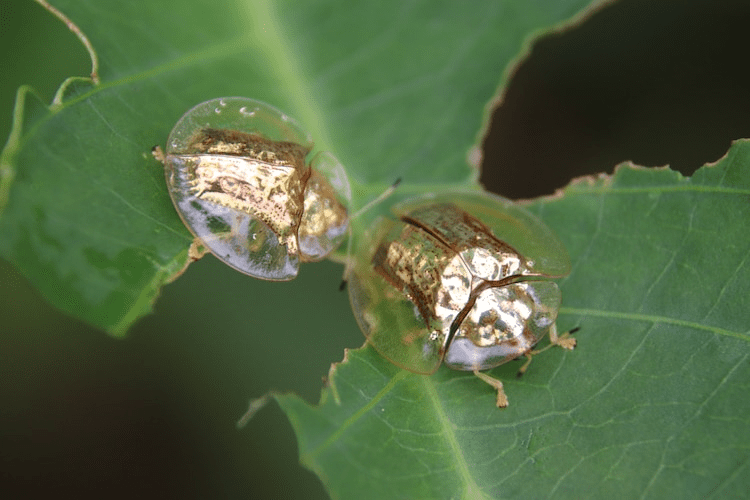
[(460, 279), (239, 176)]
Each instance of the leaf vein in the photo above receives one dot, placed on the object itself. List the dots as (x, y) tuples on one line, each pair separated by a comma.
[(357, 415), (654, 319), (472, 489), (723, 290)]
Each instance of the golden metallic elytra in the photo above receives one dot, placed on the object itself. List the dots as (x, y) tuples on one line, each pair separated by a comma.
[(461, 279), (240, 177)]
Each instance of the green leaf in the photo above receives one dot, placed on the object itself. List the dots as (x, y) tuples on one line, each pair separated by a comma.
[(652, 404), (394, 89)]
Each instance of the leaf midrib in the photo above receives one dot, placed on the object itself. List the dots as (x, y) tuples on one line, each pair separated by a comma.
[(471, 488)]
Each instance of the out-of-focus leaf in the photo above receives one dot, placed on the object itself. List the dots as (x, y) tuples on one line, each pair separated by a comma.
[(653, 402)]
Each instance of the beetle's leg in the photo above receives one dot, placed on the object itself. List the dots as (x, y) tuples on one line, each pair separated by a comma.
[(523, 368), (566, 341), (158, 154), (502, 399)]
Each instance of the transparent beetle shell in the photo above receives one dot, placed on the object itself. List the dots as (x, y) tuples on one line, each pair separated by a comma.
[(463, 279), (240, 177)]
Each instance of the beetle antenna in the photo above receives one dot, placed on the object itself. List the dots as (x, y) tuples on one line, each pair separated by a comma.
[(382, 196), (347, 261), (369, 205)]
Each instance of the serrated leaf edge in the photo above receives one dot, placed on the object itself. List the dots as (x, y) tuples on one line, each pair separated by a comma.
[(150, 292)]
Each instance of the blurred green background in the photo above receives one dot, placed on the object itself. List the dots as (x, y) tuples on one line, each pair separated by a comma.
[(153, 415)]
